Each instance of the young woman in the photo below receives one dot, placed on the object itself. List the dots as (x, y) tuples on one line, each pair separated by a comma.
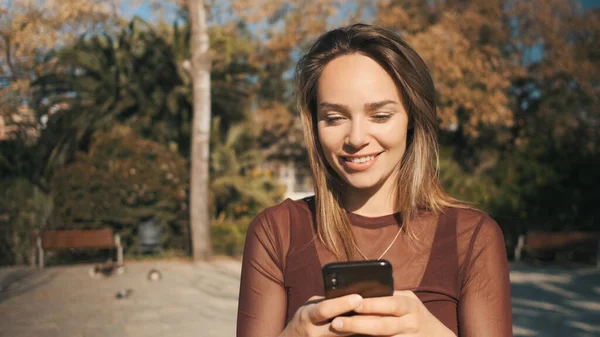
[(368, 108)]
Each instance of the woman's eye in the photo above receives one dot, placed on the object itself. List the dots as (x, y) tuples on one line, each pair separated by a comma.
[(332, 119), (381, 118)]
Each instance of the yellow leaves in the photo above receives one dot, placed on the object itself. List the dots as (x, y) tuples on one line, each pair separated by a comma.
[(564, 36), (239, 209), (29, 29), (259, 173), (10, 99), (392, 14), (18, 86), (254, 11), (275, 118), (284, 25), (466, 77), (391, 17)]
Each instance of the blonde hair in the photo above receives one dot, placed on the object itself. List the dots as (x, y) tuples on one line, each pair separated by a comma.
[(420, 188)]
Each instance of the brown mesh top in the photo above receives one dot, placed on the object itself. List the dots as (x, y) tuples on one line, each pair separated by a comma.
[(458, 268)]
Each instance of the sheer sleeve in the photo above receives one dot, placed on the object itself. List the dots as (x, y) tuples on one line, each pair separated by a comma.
[(262, 301), (485, 302)]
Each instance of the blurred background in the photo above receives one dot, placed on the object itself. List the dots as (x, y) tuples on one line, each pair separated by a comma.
[(97, 114)]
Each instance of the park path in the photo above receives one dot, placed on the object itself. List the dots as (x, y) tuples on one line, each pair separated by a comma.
[(190, 300), (200, 300), (555, 301)]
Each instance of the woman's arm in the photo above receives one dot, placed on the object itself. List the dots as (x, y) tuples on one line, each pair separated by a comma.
[(484, 307), (262, 302)]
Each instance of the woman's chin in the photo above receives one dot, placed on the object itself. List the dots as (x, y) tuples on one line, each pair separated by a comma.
[(363, 184)]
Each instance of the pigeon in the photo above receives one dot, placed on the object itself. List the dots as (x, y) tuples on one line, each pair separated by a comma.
[(154, 275), (121, 294), (106, 270)]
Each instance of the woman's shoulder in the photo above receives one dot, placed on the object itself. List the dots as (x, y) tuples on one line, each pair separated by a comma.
[(285, 213), (467, 214), (474, 223), (290, 207)]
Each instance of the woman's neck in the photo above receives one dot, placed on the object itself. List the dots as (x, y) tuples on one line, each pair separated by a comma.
[(372, 202)]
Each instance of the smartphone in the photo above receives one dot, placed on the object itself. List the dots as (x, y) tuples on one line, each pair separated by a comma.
[(367, 278)]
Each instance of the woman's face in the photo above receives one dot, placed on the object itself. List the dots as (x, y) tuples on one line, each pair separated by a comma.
[(361, 121)]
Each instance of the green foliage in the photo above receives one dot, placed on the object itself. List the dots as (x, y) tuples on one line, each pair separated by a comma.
[(228, 237), (537, 189), (464, 185), (23, 209), (127, 77), (124, 179), (137, 77), (121, 181), (238, 187), (554, 189)]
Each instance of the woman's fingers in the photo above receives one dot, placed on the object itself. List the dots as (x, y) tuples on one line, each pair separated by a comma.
[(312, 319), (327, 309), (314, 299), (374, 325), (406, 293), (399, 304)]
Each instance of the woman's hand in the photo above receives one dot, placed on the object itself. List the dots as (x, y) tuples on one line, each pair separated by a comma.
[(313, 318), (402, 314)]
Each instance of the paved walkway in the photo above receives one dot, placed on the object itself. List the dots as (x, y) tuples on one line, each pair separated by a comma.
[(190, 300), (555, 301), (200, 300)]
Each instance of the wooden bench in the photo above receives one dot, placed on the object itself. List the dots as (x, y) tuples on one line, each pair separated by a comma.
[(539, 241), (65, 239)]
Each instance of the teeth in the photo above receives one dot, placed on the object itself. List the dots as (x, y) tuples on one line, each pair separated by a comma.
[(361, 159)]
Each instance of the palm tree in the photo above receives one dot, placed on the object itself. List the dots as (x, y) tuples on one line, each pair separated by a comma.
[(237, 186), (138, 77), (130, 78)]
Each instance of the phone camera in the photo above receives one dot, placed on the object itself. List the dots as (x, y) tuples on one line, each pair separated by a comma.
[(334, 281)]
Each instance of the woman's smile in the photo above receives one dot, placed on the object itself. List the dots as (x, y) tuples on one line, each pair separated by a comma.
[(359, 162)]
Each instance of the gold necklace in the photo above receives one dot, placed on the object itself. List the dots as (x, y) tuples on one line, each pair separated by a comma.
[(386, 250)]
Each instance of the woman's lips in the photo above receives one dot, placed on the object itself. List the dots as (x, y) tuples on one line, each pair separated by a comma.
[(360, 163)]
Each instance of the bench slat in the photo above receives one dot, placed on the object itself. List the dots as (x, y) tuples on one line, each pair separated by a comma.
[(559, 240), (97, 238)]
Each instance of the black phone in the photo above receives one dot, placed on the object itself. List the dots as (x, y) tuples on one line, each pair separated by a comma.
[(372, 278)]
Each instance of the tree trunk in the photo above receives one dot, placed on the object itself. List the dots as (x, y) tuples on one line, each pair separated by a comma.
[(200, 71)]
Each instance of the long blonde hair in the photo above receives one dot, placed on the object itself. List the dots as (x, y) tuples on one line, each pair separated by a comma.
[(420, 188)]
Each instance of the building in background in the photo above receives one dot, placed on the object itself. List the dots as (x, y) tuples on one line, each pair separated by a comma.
[(295, 177)]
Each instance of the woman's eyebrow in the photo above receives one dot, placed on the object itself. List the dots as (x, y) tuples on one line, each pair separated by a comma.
[(377, 105), (326, 106), (371, 106)]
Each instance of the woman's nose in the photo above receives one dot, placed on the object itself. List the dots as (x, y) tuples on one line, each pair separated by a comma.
[(357, 136)]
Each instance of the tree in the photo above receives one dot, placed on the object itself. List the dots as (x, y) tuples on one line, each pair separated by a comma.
[(102, 79), (31, 29), (239, 187), (23, 208), (199, 68), (122, 180), (30, 34), (518, 96), (285, 32)]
